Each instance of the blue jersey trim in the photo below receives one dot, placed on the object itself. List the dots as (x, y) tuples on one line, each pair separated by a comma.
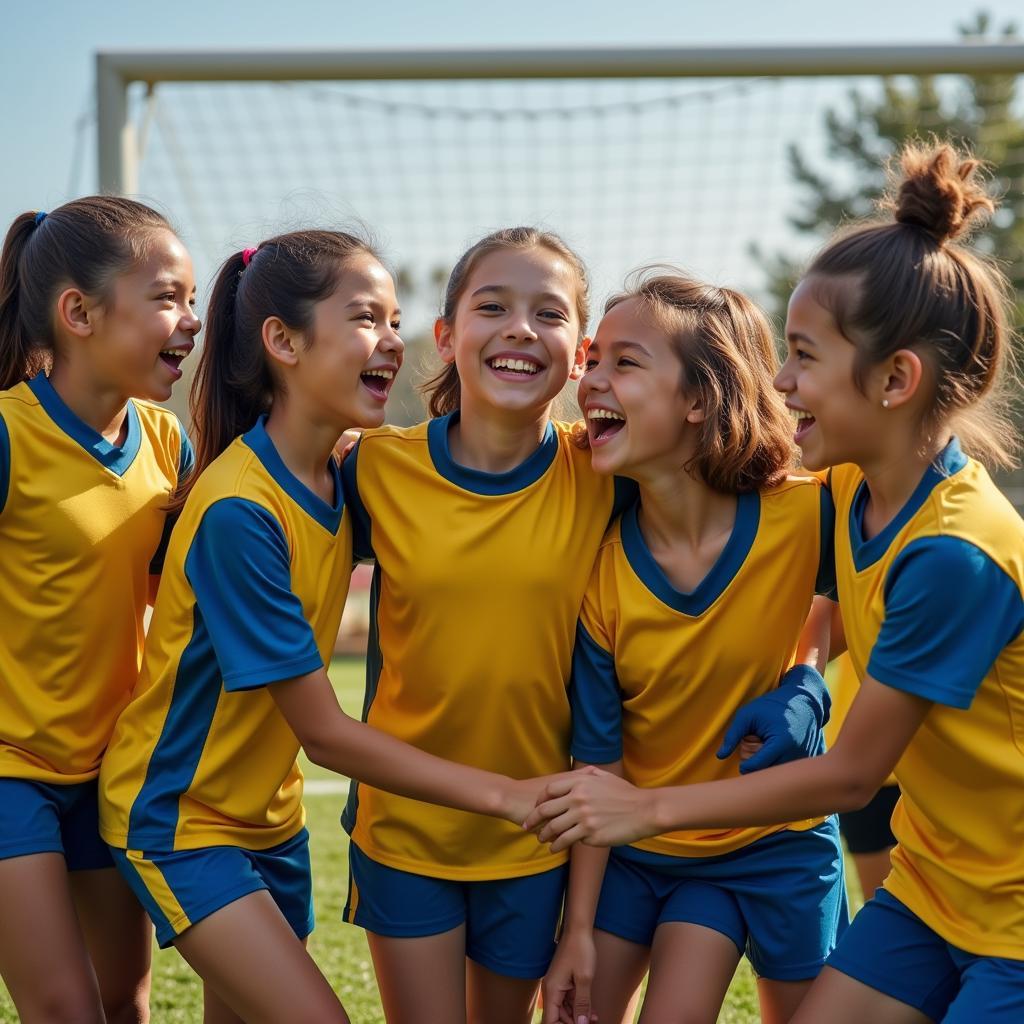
[(529, 471), (153, 819), (362, 526), (595, 698), (866, 552), (186, 463), (825, 582), (719, 576), (117, 459), (5, 463), (328, 516), (374, 667)]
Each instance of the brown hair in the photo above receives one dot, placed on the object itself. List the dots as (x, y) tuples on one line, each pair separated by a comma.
[(725, 344), (917, 285), (83, 244), (443, 390), (286, 276)]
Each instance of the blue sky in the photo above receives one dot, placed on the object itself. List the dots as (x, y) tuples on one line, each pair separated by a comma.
[(47, 66)]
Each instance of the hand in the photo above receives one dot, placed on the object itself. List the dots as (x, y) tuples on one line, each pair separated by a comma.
[(346, 442), (519, 796), (593, 807), (566, 986), (789, 720)]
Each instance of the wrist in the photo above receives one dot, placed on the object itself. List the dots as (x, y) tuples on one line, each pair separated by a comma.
[(655, 813)]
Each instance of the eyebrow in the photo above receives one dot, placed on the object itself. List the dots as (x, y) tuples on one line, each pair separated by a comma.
[(373, 303), (544, 296), (621, 344), (162, 282), (797, 336)]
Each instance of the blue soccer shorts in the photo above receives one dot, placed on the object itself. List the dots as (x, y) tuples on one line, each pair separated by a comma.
[(511, 923)]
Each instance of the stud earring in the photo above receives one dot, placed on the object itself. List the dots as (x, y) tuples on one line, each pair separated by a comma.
[(885, 403)]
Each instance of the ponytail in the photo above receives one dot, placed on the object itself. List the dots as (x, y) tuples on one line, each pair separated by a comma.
[(83, 244), (284, 277)]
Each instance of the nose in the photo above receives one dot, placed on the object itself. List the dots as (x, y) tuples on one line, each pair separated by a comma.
[(190, 322), (519, 328), (392, 342), (784, 379)]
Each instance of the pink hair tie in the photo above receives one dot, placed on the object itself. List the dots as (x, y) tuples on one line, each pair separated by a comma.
[(247, 255)]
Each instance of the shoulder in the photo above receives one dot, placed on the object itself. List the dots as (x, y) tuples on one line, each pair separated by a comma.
[(162, 426)]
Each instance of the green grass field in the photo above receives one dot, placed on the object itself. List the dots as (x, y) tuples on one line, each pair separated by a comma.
[(339, 949)]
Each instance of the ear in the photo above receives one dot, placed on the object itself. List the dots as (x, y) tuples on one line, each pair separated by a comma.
[(579, 361), (279, 342), (695, 414), (443, 340), (76, 313), (901, 378)]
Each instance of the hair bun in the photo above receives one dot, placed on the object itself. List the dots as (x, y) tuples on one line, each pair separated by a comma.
[(940, 191)]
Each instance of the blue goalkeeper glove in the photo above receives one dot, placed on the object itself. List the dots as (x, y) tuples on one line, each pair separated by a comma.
[(788, 720)]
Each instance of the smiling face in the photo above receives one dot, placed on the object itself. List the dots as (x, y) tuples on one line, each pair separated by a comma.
[(836, 422), (638, 417), (148, 323), (515, 333), (353, 350)]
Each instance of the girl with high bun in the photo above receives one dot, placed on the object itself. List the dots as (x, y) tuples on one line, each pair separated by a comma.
[(899, 361)]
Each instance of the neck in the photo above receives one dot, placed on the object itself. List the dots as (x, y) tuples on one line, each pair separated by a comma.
[(102, 407), (305, 443), (494, 441), (893, 475), (678, 509)]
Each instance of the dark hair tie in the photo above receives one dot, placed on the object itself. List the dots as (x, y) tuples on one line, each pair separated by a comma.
[(40, 217)]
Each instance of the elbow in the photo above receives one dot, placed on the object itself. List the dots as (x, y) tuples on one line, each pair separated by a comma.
[(317, 750), (855, 794)]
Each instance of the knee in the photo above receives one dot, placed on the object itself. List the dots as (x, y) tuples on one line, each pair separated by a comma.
[(58, 1006), (134, 1010)]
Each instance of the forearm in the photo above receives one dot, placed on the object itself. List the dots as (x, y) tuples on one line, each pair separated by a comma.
[(788, 792), (368, 755), (586, 874), (813, 646)]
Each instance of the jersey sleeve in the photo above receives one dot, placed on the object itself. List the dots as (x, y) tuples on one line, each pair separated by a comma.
[(238, 568), (362, 546), (594, 694), (949, 612), (825, 583), (5, 463)]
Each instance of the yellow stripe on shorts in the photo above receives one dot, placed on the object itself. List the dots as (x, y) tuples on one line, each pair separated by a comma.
[(156, 885)]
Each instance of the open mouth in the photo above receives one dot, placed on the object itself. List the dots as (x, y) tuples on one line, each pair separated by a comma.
[(603, 425), (804, 422), (378, 381), (514, 367), (173, 357)]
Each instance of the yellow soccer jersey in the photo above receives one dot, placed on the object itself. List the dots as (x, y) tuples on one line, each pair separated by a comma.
[(659, 674), (476, 592), (81, 522), (842, 687), (254, 583), (934, 605)]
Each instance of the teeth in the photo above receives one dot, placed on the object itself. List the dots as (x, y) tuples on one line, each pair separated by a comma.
[(174, 352), (604, 414), (519, 365), (386, 374), (800, 414)]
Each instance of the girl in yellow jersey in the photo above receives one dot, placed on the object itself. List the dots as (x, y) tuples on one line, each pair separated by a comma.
[(96, 314), (898, 342), (200, 789), (484, 523), (696, 606)]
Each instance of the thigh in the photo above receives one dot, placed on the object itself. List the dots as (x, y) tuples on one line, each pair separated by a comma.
[(512, 925), (691, 968), (498, 998), (422, 980), (44, 960), (251, 958), (840, 999), (991, 989), (621, 966), (780, 999), (118, 935)]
